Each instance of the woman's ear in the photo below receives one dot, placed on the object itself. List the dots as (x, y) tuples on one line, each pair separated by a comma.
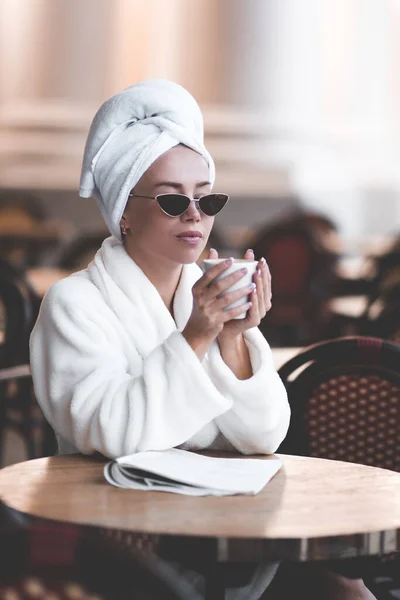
[(123, 226)]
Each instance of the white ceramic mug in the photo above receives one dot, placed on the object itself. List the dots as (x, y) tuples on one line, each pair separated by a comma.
[(247, 279)]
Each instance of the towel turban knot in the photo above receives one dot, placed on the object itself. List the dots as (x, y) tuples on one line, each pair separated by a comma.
[(128, 133)]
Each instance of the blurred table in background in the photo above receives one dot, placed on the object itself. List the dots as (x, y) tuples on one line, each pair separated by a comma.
[(42, 278), (351, 306), (31, 248), (376, 246), (18, 371), (355, 267)]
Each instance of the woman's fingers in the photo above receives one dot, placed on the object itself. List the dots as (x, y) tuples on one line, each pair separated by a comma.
[(249, 254), (266, 278), (222, 302), (253, 316), (259, 281), (213, 254), (213, 273), (215, 283), (213, 298), (235, 312)]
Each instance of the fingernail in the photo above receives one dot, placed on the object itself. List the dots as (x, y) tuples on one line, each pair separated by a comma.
[(250, 250), (229, 261), (258, 272), (243, 270), (212, 249), (252, 286), (264, 262)]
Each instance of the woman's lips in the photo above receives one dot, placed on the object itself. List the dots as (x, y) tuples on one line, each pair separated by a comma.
[(190, 237), (192, 240)]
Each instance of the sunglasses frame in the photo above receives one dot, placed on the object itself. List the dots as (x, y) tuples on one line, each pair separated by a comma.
[(196, 201)]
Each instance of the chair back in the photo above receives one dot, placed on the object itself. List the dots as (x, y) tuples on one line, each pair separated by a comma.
[(18, 315), (381, 317), (345, 395), (77, 252), (302, 279)]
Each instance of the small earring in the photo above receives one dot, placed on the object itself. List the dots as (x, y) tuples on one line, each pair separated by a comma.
[(123, 226)]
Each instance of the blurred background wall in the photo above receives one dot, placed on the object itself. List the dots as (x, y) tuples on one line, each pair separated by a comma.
[(301, 99)]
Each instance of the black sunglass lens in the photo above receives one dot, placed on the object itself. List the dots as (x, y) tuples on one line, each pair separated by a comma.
[(212, 204), (173, 204)]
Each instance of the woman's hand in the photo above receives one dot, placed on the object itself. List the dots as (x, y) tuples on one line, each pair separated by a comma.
[(209, 315), (260, 299)]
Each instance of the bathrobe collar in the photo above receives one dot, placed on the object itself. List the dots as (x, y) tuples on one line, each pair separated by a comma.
[(135, 300)]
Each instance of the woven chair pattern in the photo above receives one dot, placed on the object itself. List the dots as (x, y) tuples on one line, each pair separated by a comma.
[(46, 589), (345, 399), (127, 542), (354, 417)]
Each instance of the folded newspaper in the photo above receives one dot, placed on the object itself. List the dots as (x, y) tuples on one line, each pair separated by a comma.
[(184, 472)]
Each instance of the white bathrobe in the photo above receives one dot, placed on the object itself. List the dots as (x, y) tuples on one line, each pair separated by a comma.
[(114, 374)]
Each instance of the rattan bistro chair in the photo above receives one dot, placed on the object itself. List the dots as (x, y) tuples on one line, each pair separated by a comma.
[(345, 396), (19, 409), (345, 401)]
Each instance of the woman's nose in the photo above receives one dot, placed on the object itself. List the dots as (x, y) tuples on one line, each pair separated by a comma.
[(192, 212)]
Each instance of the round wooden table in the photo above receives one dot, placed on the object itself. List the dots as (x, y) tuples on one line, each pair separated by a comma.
[(312, 509)]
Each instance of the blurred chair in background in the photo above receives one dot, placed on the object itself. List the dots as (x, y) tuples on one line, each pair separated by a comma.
[(51, 561), (79, 251), (380, 313), (322, 227), (21, 413), (381, 317), (345, 401), (21, 211), (19, 409), (19, 308), (27, 237), (386, 270), (303, 280)]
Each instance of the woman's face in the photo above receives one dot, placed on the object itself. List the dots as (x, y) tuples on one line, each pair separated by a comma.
[(153, 234)]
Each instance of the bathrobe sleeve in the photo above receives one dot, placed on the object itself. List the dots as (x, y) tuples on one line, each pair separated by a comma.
[(83, 384), (259, 418)]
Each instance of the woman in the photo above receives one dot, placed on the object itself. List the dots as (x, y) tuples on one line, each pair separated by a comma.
[(137, 352)]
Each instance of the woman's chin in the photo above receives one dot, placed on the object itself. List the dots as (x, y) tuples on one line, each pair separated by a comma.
[(191, 255), (190, 260)]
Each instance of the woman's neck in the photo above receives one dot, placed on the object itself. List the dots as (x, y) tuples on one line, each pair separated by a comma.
[(162, 274)]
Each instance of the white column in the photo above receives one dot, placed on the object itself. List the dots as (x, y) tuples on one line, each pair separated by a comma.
[(355, 159), (21, 53), (306, 89), (146, 41)]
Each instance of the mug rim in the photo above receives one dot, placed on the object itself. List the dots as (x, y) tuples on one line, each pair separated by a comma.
[(235, 260)]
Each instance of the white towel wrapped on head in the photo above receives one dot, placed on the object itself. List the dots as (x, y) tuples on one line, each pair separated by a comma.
[(128, 133)]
